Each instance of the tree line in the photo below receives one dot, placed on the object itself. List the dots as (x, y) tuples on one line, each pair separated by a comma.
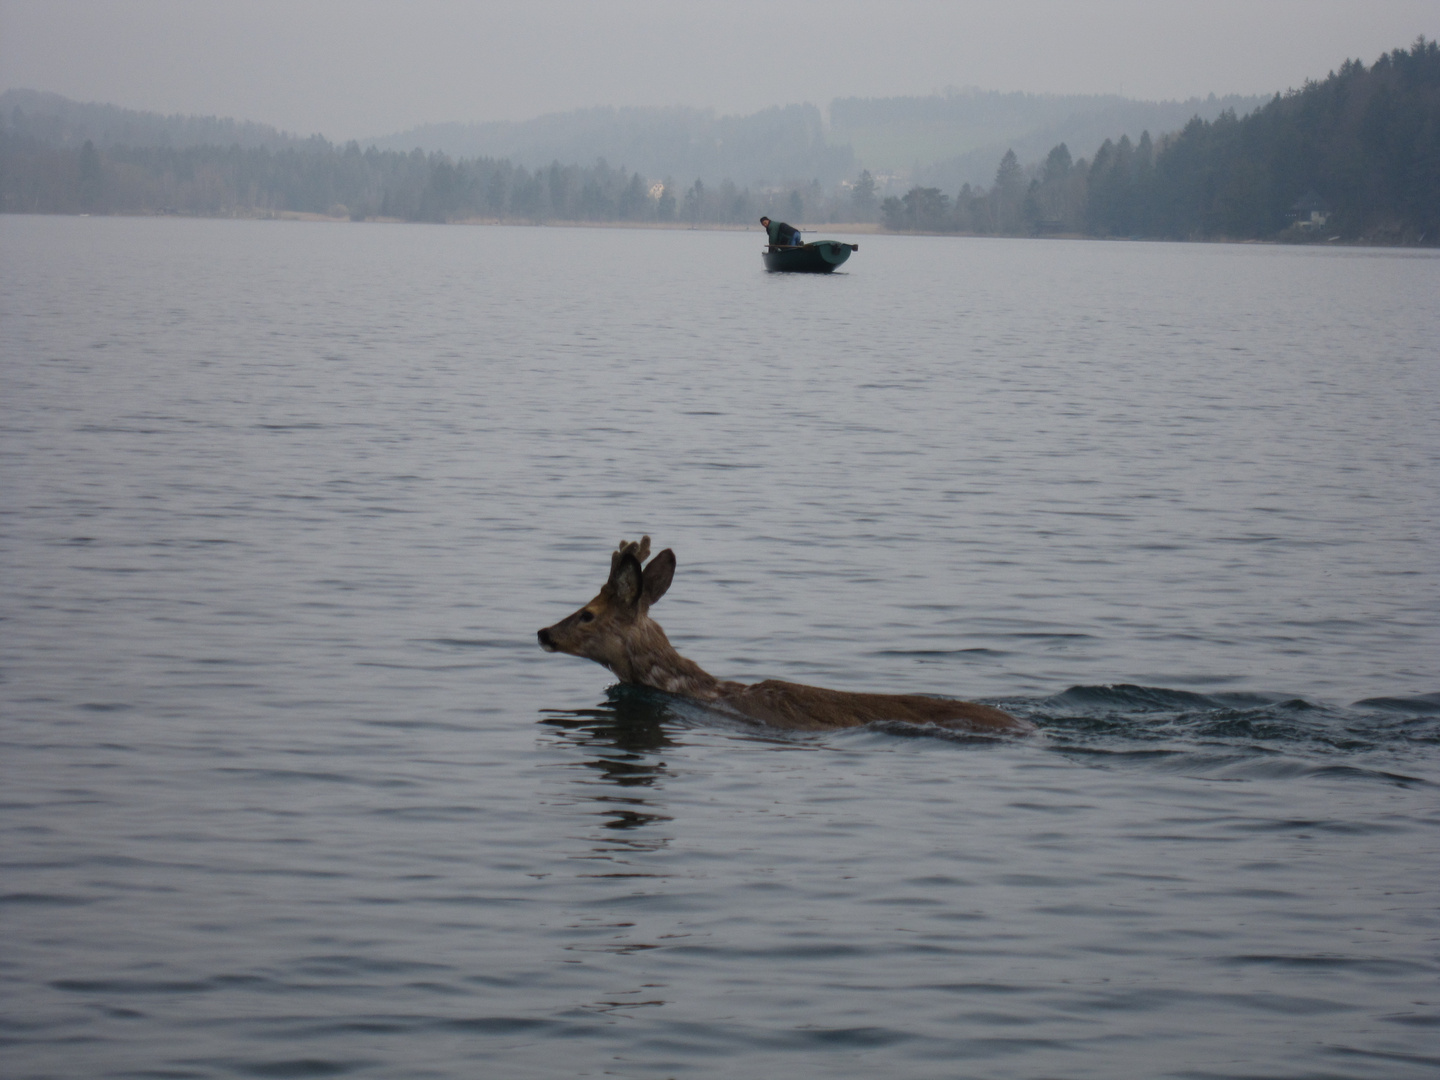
[(314, 178), (1360, 149), (317, 177)]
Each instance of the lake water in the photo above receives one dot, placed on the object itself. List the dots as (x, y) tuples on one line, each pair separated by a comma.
[(290, 790)]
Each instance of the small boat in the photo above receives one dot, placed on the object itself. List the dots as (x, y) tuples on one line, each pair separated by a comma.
[(816, 257)]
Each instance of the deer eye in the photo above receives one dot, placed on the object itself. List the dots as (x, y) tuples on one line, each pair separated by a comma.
[(587, 616)]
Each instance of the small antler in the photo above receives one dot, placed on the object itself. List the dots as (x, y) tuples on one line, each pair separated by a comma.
[(639, 548)]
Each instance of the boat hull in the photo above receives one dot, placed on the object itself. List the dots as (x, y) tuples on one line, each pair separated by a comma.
[(817, 257)]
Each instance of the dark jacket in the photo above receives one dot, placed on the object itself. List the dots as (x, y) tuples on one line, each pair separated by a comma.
[(781, 233)]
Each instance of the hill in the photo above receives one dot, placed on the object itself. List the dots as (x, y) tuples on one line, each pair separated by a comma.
[(1358, 152), (1355, 156), (946, 140), (56, 121), (772, 148), (942, 140)]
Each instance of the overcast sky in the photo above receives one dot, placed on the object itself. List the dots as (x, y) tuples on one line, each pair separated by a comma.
[(357, 68)]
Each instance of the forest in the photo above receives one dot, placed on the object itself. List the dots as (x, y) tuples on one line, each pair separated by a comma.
[(1356, 156), (315, 177), (60, 156)]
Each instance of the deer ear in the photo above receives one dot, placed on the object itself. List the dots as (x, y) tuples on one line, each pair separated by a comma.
[(658, 576), (627, 581)]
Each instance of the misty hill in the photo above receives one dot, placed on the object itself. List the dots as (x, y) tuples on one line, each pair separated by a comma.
[(57, 121), (941, 140), (944, 140), (1355, 157), (956, 138), (772, 148), (1358, 154)]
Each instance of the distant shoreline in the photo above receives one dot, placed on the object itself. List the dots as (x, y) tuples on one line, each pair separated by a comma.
[(854, 228)]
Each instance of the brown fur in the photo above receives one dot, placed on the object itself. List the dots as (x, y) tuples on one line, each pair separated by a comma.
[(615, 630)]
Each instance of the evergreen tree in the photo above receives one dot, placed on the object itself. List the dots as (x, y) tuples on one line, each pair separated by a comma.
[(1009, 193), (862, 197), (925, 209), (90, 176), (1057, 165)]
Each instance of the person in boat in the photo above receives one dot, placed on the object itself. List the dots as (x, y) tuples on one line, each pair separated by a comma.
[(781, 234)]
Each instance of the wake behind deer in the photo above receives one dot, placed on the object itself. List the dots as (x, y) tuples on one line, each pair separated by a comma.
[(616, 631)]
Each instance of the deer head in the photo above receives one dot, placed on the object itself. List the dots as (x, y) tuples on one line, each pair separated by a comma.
[(613, 629)]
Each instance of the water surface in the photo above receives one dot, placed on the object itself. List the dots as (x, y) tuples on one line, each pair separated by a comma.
[(290, 790)]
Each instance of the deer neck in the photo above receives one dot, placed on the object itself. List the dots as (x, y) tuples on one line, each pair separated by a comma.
[(650, 660)]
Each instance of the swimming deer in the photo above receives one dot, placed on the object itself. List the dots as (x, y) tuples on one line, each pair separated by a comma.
[(616, 631)]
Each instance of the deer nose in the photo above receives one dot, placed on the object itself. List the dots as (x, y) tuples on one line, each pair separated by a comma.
[(545, 642)]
